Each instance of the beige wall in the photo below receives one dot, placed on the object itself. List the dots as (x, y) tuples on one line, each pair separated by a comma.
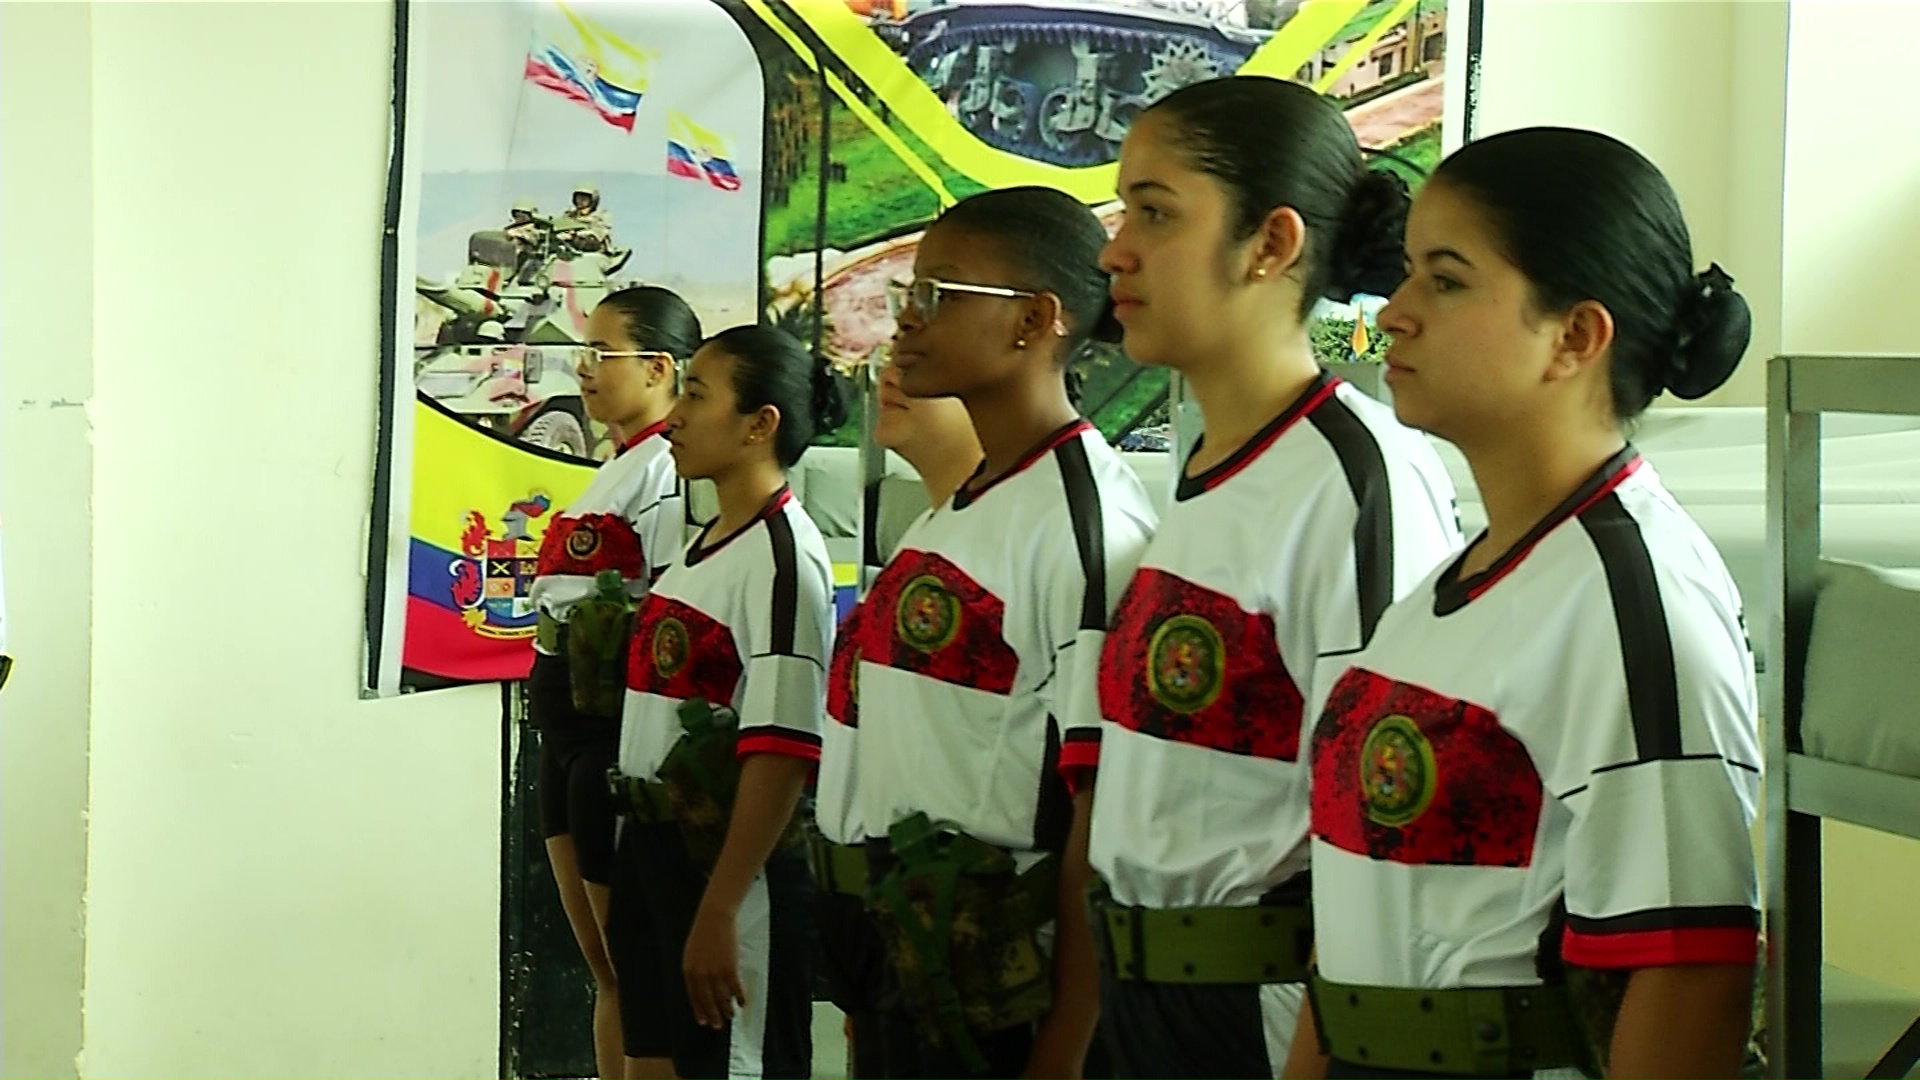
[(1851, 234), (284, 880), (46, 465)]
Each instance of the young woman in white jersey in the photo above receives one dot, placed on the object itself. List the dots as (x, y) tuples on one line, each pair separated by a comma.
[(1533, 792), (628, 520), (935, 436), (711, 944), (1302, 512), (982, 646)]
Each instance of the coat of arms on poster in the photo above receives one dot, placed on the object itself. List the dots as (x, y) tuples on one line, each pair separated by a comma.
[(769, 160)]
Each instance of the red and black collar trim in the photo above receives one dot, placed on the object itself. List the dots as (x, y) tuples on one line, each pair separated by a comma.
[(1317, 393), (645, 433), (700, 550), (967, 495), (1451, 592)]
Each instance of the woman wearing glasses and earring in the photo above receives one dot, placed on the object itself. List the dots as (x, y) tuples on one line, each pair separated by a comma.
[(981, 644), (627, 521)]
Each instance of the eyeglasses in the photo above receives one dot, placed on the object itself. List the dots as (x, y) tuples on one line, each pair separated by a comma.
[(591, 357), (923, 294)]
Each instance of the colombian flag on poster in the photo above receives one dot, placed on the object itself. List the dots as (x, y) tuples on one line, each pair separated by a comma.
[(481, 503), (698, 153)]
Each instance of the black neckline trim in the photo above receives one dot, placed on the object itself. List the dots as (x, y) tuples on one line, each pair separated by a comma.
[(1317, 393), (698, 552), (963, 498), (1451, 592)]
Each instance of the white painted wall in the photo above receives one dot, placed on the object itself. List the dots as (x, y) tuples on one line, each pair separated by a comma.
[(1851, 233), (46, 465), (283, 880)]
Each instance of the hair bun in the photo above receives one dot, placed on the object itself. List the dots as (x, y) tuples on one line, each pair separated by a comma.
[(1368, 253), (829, 407), (1711, 330)]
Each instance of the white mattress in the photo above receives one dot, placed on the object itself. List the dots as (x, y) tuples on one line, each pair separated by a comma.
[(1861, 699)]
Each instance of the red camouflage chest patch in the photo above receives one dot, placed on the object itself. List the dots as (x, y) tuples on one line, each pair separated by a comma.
[(928, 617), (1402, 773), (590, 543), (843, 670), (1191, 665), (681, 652)]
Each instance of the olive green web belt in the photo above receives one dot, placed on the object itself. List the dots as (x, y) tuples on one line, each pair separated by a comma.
[(1467, 1031), (1258, 944)]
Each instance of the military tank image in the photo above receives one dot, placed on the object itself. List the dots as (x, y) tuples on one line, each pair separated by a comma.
[(1061, 84), (498, 343)]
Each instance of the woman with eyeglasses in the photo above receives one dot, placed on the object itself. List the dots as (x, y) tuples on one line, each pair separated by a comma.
[(980, 648), (1533, 793), (627, 521), (1302, 511), (712, 899), (935, 436)]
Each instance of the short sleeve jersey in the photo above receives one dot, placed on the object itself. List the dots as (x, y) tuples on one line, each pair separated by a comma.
[(628, 519), (981, 643), (1265, 575), (743, 621), (1557, 754)]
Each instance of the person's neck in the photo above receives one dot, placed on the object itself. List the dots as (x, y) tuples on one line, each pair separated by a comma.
[(1010, 425), (623, 430), (743, 492), (1522, 478), (942, 470), (1240, 391)]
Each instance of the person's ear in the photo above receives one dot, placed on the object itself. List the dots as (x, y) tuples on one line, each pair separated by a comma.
[(1278, 245), (1584, 335), (762, 424), (659, 370), (1045, 317)]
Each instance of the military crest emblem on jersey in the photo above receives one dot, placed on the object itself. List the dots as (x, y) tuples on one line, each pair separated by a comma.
[(583, 541), (1397, 772), (490, 581), (928, 616), (1186, 664), (671, 647)]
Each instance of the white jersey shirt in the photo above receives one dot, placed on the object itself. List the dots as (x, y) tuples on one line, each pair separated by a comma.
[(982, 642), (1266, 574), (743, 621), (628, 519), (1554, 759)]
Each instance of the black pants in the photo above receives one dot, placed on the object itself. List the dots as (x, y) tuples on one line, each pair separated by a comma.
[(1173, 1030), (575, 752), (656, 893), (852, 962)]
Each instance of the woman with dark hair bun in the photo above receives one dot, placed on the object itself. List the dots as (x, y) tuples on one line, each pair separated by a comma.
[(1302, 512), (712, 900), (628, 522), (1533, 793)]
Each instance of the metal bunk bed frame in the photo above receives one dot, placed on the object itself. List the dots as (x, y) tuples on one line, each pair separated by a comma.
[(1801, 790)]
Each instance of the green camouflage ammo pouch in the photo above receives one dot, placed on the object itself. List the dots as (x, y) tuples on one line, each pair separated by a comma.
[(962, 926), (599, 630), (701, 775)]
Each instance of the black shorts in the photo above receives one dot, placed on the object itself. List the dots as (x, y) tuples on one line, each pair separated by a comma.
[(575, 753), (852, 962), (656, 893), (1169, 1030)]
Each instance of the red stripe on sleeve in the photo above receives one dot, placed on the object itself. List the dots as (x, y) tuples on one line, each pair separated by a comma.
[(1661, 948), (784, 745), (1079, 759)]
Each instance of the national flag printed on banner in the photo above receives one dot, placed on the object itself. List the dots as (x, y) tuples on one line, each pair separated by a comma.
[(551, 67), (697, 153)]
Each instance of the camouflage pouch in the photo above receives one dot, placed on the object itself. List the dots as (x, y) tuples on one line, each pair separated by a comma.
[(701, 775), (962, 926), (599, 630)]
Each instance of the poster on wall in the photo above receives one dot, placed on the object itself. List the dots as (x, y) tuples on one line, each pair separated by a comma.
[(771, 160)]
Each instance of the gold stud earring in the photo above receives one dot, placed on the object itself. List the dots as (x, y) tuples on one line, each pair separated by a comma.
[(1260, 272)]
